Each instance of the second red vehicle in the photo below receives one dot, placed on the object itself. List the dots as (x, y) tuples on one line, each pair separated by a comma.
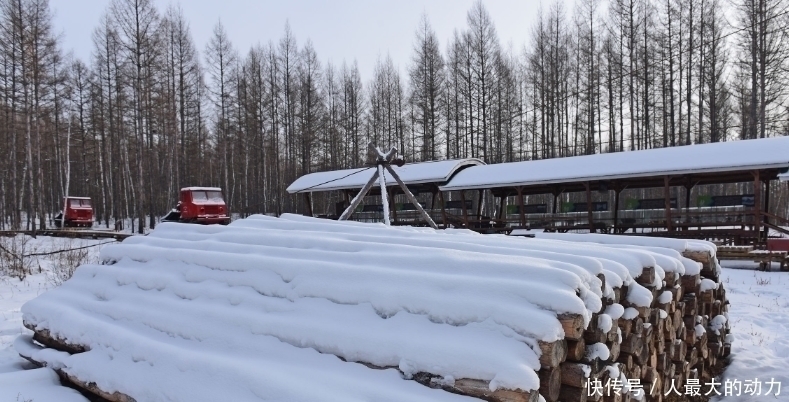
[(204, 205)]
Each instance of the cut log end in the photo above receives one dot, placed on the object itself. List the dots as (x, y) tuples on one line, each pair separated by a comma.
[(573, 325), (550, 383), (552, 353)]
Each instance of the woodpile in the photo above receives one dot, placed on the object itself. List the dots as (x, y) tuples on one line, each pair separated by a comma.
[(635, 325), (469, 387), (676, 339), (660, 347)]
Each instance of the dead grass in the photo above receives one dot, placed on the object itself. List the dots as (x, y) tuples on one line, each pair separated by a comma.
[(14, 260), (65, 261)]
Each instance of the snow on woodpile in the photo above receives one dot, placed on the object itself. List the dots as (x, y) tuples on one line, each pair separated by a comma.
[(699, 250), (303, 309), (686, 330)]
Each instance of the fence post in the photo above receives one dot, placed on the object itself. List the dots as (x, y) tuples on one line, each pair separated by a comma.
[(617, 191), (757, 206), (589, 213), (667, 195), (520, 205)]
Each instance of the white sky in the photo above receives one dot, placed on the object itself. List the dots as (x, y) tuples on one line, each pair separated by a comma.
[(339, 29)]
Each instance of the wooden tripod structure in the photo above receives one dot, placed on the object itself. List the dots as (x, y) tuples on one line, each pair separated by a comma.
[(384, 161)]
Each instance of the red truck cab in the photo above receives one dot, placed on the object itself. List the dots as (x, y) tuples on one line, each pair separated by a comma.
[(79, 213), (204, 205)]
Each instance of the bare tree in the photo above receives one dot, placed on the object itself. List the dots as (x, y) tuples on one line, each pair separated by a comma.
[(715, 66), (427, 83), (137, 22), (221, 61), (353, 109), (386, 116), (310, 108), (483, 47), (145, 115), (762, 50)]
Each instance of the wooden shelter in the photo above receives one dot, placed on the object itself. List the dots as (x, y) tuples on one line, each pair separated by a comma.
[(458, 189), (733, 219), (422, 179)]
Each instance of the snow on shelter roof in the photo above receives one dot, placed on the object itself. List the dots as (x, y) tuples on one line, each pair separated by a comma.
[(704, 158), (411, 173), (201, 189)]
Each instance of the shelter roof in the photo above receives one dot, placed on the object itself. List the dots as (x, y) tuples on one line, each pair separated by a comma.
[(703, 159), (201, 189), (437, 172)]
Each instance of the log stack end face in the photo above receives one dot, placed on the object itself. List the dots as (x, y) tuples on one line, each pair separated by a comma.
[(679, 337)]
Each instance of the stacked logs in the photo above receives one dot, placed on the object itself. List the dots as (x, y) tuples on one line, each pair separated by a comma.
[(659, 347), (681, 336)]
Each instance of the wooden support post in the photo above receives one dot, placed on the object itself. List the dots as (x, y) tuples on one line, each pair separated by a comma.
[(757, 206), (767, 207), (556, 194), (617, 191), (443, 209), (463, 204), (359, 197), (433, 199), (503, 202), (411, 198), (308, 204), (688, 188), (521, 210), (382, 189), (391, 192), (480, 194), (667, 195), (589, 212), (346, 200)]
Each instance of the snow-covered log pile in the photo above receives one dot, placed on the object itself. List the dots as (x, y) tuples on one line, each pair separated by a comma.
[(682, 334), (302, 309)]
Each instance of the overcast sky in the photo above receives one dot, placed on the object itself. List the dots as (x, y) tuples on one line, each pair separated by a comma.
[(339, 29)]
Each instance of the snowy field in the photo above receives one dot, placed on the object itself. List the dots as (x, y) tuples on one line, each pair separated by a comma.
[(19, 380), (759, 316)]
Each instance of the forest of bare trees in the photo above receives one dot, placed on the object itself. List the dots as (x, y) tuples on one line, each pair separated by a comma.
[(150, 112)]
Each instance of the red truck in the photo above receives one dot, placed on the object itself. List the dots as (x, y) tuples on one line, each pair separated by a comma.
[(79, 213), (204, 205)]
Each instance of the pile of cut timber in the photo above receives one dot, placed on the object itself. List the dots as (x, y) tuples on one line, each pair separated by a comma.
[(765, 258), (301, 309), (681, 335)]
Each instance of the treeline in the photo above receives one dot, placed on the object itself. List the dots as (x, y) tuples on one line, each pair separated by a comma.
[(149, 113)]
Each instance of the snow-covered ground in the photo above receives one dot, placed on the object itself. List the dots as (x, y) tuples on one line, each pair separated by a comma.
[(20, 380), (759, 318), (759, 315)]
